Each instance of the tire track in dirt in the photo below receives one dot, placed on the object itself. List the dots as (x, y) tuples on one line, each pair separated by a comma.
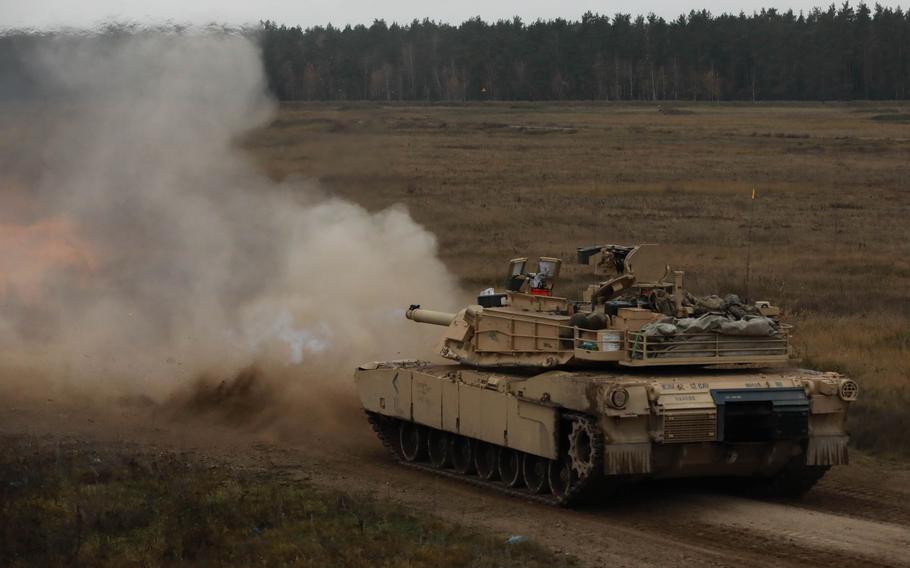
[(644, 527), (884, 506), (786, 532)]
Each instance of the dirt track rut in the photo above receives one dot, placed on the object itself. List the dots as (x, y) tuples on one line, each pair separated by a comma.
[(857, 515)]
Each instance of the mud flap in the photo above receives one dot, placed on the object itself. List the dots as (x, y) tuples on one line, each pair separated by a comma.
[(827, 450), (622, 459)]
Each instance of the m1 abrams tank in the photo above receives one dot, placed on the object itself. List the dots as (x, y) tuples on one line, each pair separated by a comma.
[(563, 401)]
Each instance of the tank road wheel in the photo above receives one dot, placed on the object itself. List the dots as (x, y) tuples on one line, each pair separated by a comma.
[(561, 476), (412, 441), (462, 455), (485, 460), (584, 447), (509, 467), (439, 445), (534, 471)]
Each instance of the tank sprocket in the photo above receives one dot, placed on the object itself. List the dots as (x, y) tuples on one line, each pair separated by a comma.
[(585, 446)]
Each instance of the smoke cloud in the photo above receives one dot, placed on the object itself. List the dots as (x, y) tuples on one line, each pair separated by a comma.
[(139, 248)]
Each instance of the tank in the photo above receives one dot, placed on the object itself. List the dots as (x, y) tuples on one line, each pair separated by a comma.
[(564, 401)]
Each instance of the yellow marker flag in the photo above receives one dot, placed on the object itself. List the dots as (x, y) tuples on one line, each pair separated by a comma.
[(753, 193)]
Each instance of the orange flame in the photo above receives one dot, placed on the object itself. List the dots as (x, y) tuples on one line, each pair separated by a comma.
[(33, 256)]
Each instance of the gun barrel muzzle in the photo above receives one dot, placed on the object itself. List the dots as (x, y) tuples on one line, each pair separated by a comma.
[(429, 316)]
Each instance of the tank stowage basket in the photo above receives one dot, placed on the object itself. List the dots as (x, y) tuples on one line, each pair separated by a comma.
[(705, 348), (544, 334)]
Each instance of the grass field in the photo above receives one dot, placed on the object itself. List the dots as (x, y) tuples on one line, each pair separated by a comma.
[(494, 181), (70, 503)]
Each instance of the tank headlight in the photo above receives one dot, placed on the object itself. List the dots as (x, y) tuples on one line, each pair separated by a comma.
[(619, 397), (849, 390)]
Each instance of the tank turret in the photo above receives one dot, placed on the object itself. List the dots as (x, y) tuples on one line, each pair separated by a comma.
[(638, 314)]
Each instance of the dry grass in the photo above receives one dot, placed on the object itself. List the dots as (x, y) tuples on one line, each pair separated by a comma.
[(876, 350), (78, 504), (493, 181)]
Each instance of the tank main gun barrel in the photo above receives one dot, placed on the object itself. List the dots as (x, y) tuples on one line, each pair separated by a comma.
[(415, 313)]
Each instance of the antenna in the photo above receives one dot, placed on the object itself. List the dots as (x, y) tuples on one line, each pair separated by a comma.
[(749, 245)]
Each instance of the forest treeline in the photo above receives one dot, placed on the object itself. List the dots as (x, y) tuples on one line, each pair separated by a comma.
[(837, 53), (828, 54)]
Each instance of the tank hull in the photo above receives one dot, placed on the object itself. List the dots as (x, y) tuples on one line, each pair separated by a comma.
[(571, 435)]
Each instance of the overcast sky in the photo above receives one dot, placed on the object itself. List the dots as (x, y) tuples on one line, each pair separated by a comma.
[(88, 13)]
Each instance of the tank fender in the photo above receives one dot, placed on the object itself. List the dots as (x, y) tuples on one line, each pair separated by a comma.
[(533, 428), (471, 408), (385, 390), (427, 395), (559, 388), (482, 414)]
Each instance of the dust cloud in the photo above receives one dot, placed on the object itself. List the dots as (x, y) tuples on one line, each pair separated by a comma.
[(140, 249)]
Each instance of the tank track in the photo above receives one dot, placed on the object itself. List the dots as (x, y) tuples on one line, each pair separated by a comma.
[(583, 489), (794, 481)]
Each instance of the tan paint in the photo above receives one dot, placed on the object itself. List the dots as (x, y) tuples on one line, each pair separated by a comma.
[(673, 416), (667, 424)]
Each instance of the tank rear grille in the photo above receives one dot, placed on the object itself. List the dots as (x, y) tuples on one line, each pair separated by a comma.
[(690, 426)]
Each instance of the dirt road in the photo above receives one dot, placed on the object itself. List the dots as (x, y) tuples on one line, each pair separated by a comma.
[(857, 516)]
